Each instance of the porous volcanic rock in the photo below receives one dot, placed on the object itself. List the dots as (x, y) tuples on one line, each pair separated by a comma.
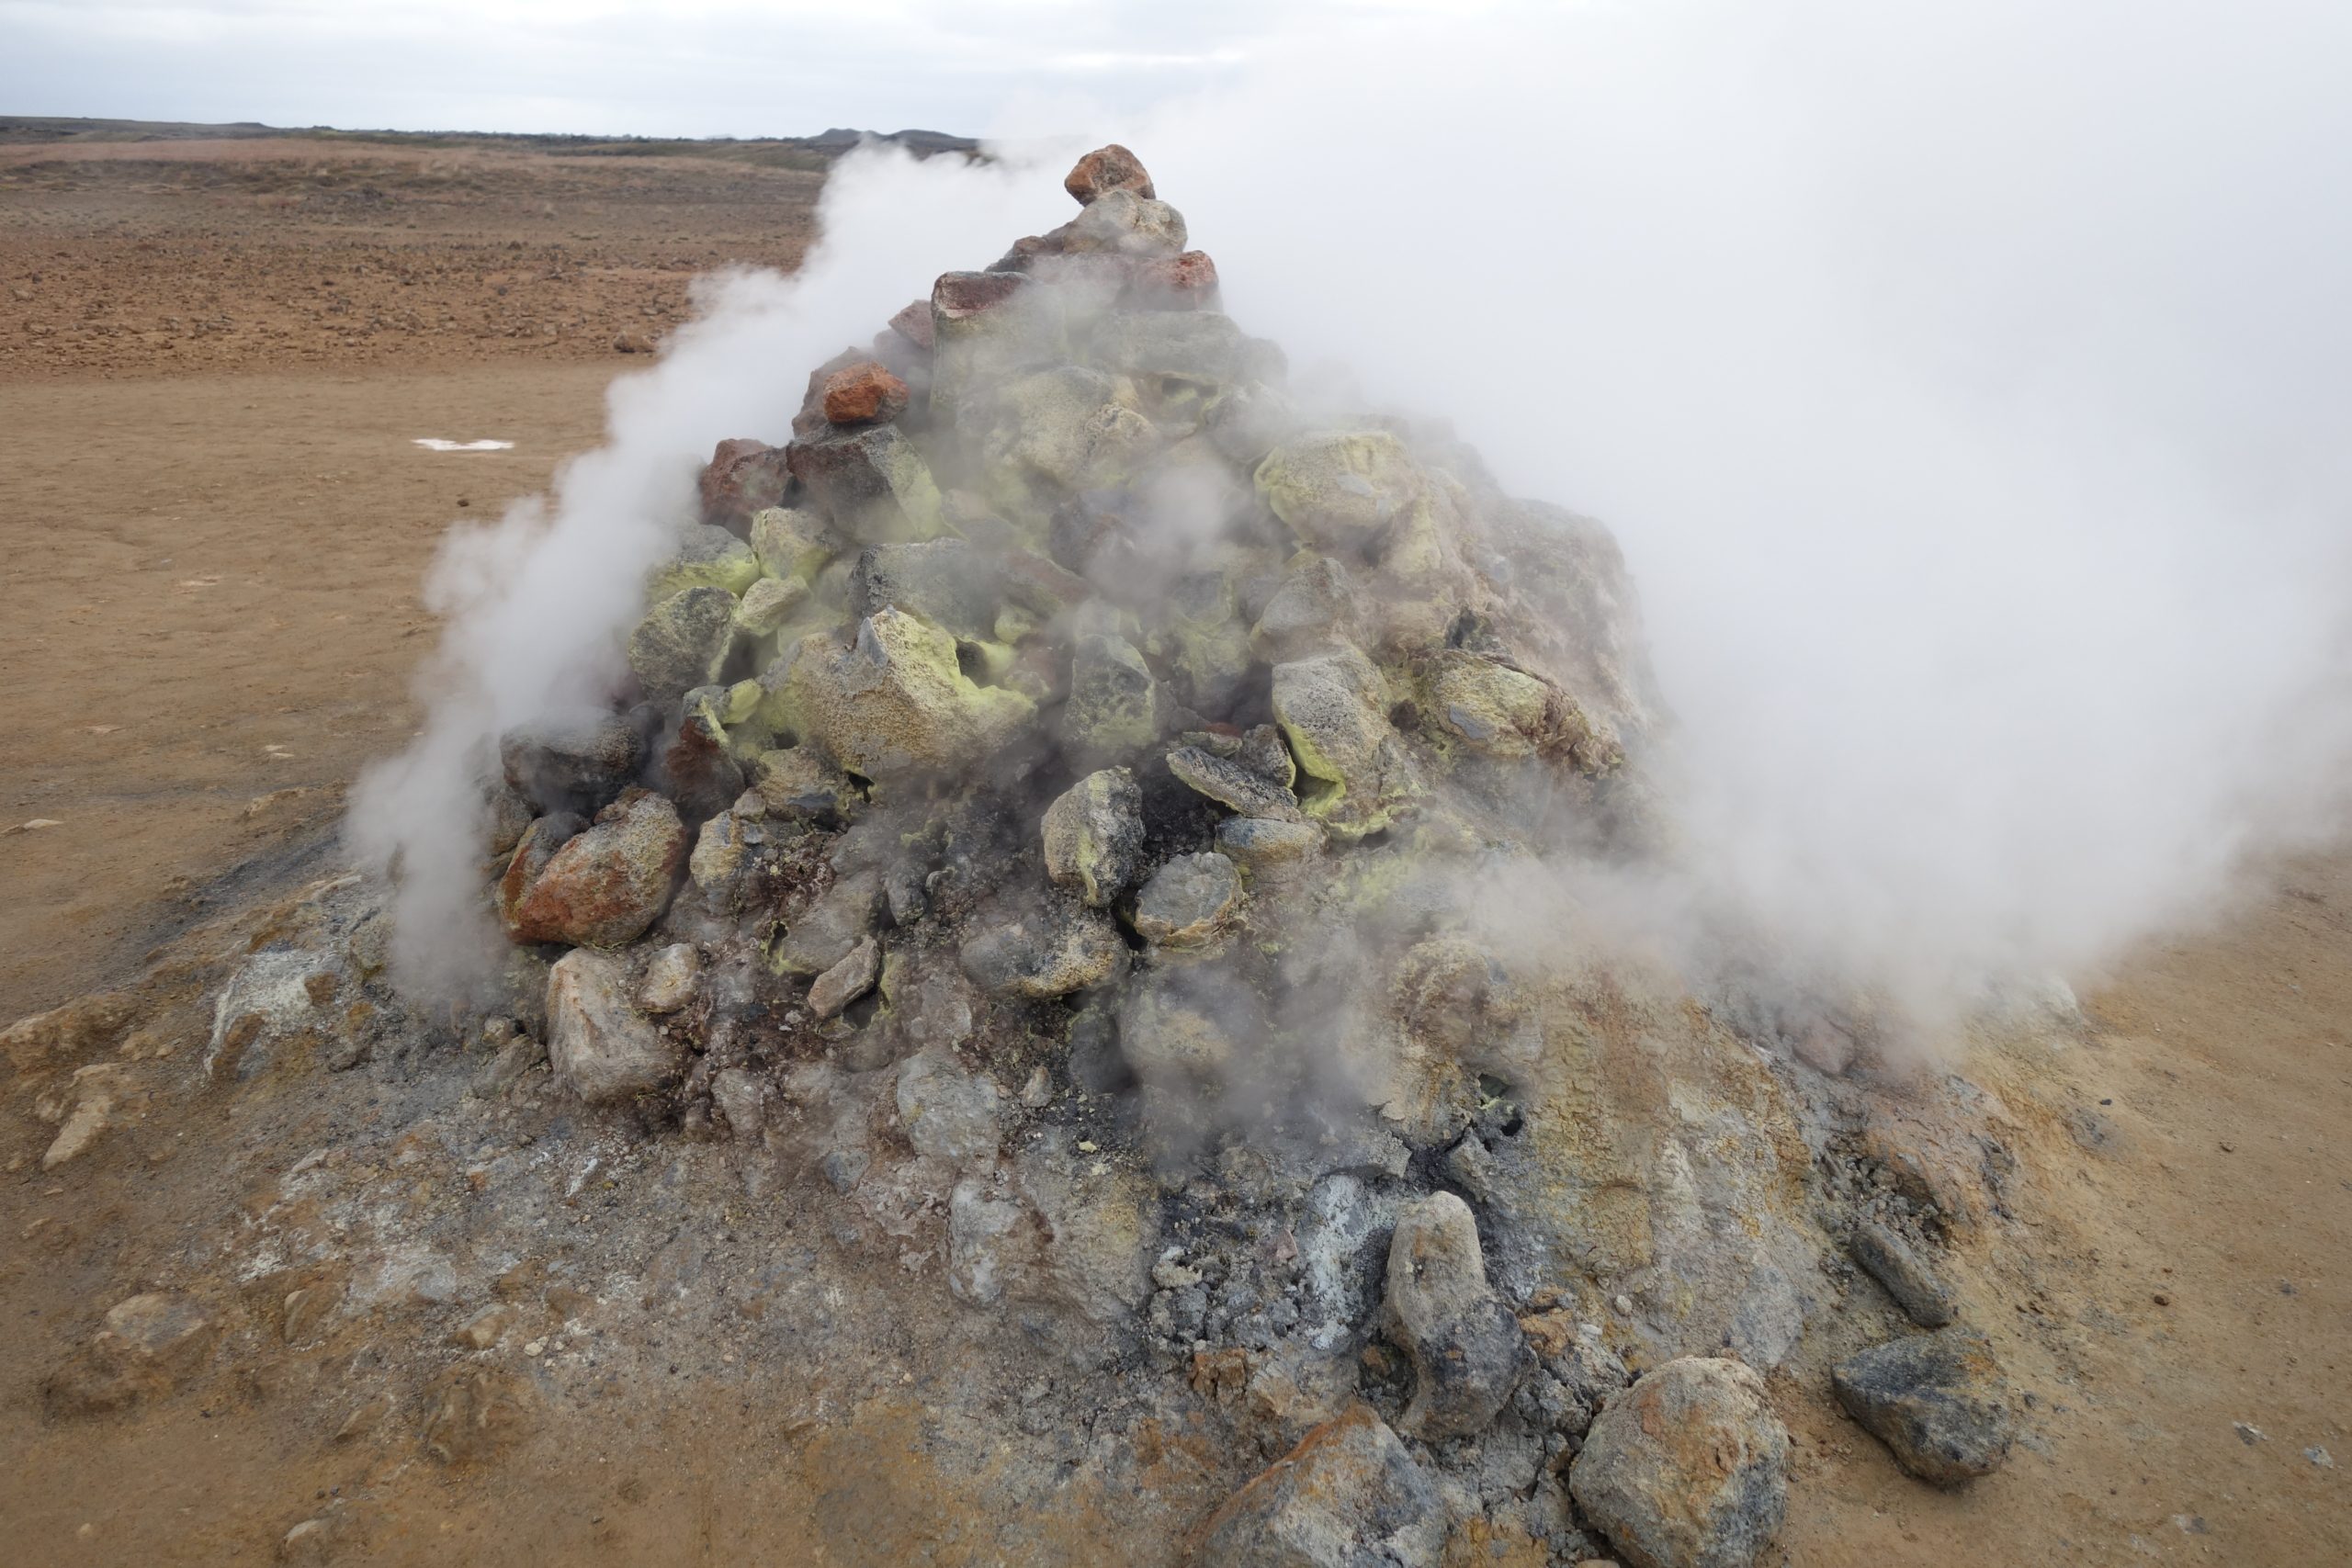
[(1937, 1402)]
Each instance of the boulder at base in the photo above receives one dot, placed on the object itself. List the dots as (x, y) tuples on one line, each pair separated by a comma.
[(1687, 1468), (1347, 1496), (1937, 1401), (599, 1045)]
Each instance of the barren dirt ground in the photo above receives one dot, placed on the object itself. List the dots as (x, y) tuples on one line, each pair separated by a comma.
[(209, 616)]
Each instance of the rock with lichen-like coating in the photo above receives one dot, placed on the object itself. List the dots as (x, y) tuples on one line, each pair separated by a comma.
[(1338, 489), (895, 701)]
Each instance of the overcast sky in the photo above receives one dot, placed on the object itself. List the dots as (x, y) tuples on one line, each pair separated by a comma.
[(687, 68)]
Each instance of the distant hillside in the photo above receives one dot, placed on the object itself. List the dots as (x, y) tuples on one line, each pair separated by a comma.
[(790, 151)]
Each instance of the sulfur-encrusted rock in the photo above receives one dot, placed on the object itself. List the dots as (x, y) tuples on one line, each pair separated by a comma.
[(845, 981), (1093, 835), (708, 557), (895, 701), (1124, 223), (946, 1112), (1334, 490), (1331, 708), (1347, 1496), (599, 1046), (1104, 170), (1189, 902), (1048, 954), (1937, 1401), (1233, 785), (570, 767), (607, 884), (1687, 1468), (1067, 428), (683, 641), (1112, 709), (871, 481), (741, 477), (768, 605), (864, 393), (1467, 1352), (793, 543)]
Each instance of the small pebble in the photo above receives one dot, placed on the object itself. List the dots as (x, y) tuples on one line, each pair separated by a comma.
[(1625, 1305), (534, 1348)]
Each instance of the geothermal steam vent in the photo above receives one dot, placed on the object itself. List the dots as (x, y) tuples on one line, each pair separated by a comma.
[(1082, 812)]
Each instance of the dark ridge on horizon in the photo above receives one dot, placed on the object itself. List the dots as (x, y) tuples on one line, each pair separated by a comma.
[(37, 129)]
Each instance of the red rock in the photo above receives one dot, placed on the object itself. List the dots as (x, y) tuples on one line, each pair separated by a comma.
[(1104, 170), (811, 420), (608, 885), (865, 393), (913, 323), (1187, 282), (741, 477), (959, 296)]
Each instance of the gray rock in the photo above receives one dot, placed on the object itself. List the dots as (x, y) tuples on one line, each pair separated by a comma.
[(1187, 346), (1263, 847), (980, 1230), (1093, 835), (1048, 953), (845, 981), (768, 605), (741, 1098), (833, 926), (1894, 1263), (599, 1046), (1170, 1033), (1312, 612), (1347, 1496), (1189, 902), (947, 1113), (801, 784), (1467, 1352), (1232, 785), (504, 1071), (872, 481), (280, 1000), (1687, 1468), (683, 642), (945, 581), (574, 767), (1937, 1402)]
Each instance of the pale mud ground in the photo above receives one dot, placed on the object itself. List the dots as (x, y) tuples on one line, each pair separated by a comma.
[(210, 619)]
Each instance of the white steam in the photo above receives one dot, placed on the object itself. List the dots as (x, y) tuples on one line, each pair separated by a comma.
[(1967, 384)]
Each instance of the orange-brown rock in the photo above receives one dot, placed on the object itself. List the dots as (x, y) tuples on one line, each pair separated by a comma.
[(864, 393), (1104, 170)]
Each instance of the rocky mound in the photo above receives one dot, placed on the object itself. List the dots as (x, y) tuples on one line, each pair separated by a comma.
[(1081, 821)]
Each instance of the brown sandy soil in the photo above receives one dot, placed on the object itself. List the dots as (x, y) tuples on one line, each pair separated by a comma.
[(171, 257), (213, 546)]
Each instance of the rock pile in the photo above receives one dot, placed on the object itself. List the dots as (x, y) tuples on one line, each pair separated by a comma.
[(1073, 807)]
